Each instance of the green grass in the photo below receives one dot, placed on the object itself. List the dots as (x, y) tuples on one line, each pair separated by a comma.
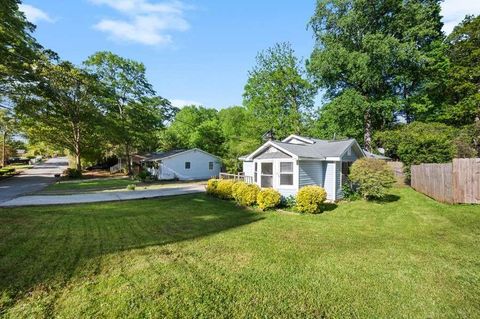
[(194, 256), (91, 185)]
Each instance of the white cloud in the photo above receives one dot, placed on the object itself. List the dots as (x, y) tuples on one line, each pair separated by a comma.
[(143, 21), (181, 103), (34, 14), (453, 12)]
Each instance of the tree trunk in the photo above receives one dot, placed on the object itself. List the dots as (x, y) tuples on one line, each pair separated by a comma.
[(129, 163), (78, 162), (367, 135), (4, 149)]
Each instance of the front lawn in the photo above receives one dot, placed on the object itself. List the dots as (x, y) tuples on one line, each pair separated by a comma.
[(194, 256)]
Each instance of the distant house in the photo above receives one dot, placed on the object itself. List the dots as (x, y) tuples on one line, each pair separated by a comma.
[(182, 164), (298, 161)]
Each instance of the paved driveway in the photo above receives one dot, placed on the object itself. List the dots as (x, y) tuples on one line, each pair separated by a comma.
[(32, 180), (35, 200)]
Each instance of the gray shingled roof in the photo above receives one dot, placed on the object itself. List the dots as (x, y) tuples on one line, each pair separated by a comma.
[(319, 149), (159, 156)]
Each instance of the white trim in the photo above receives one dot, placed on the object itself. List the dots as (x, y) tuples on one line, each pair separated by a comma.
[(270, 143), (301, 138)]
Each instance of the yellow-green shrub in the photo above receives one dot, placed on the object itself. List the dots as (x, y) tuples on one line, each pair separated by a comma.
[(235, 188), (224, 188), (268, 198), (211, 187), (246, 194), (309, 199)]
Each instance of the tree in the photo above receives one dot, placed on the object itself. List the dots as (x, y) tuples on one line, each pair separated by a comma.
[(18, 48), (277, 92), (62, 109), (464, 54), (241, 135), (194, 126), (378, 49), (418, 143), (7, 129), (133, 111)]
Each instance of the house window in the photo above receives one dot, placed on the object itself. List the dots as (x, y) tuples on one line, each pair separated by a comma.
[(255, 173), (187, 165), (210, 166), (266, 178), (286, 173)]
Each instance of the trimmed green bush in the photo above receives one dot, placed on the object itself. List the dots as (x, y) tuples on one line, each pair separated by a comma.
[(309, 199), (268, 198), (373, 177), (246, 194), (224, 188), (211, 187), (131, 187)]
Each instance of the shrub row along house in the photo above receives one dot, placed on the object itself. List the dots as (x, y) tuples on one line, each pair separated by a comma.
[(298, 161)]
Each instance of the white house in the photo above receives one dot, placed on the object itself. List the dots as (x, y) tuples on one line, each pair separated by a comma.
[(298, 161), (189, 164)]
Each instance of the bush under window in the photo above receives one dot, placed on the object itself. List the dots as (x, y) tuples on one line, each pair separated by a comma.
[(268, 198)]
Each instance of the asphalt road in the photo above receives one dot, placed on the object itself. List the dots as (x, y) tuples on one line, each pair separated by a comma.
[(32, 180)]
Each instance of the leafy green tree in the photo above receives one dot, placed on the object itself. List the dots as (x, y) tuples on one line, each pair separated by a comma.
[(277, 92), (379, 50), (18, 48), (133, 112), (194, 126), (418, 143), (241, 135), (464, 54), (61, 109)]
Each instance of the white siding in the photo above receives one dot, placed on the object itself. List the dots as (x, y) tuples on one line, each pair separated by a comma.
[(199, 167), (285, 190), (330, 179), (311, 173), (248, 168)]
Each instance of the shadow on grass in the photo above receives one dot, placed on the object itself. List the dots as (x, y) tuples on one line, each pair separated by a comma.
[(327, 207), (390, 198), (48, 246)]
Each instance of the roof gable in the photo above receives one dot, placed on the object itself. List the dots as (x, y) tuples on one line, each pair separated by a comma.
[(311, 149)]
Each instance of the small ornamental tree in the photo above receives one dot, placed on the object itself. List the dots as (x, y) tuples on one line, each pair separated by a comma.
[(373, 177)]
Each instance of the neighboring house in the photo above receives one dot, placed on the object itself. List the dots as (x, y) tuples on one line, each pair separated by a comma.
[(299, 161), (182, 164)]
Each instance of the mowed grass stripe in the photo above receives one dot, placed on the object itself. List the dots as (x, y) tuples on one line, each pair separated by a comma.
[(194, 256)]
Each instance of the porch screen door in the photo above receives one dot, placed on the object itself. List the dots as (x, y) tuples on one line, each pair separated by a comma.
[(266, 175)]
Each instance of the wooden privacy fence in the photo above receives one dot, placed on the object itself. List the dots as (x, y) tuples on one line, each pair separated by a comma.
[(456, 182)]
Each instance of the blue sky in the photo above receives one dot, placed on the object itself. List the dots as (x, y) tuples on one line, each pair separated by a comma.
[(195, 51)]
